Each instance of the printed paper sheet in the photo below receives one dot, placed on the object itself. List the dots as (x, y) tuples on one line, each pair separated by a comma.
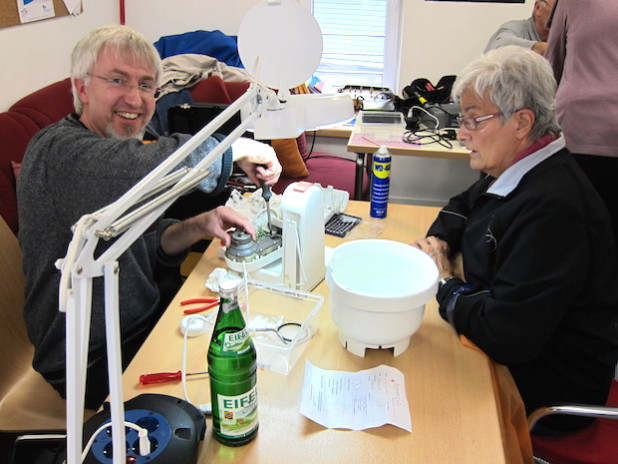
[(355, 400)]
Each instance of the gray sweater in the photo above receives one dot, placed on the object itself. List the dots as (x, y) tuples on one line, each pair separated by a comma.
[(519, 32), (69, 171)]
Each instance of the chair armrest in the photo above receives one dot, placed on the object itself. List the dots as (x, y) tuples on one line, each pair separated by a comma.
[(573, 410)]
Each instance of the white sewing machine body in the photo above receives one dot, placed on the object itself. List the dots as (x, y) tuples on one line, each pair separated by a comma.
[(294, 254)]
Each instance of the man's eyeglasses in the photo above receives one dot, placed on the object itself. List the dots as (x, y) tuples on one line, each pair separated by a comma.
[(120, 83), (473, 123)]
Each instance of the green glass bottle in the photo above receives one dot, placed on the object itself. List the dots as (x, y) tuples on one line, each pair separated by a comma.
[(232, 367)]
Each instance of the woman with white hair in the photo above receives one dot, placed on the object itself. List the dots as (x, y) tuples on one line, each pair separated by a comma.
[(539, 291)]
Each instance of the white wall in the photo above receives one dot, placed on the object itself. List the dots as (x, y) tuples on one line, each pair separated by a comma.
[(37, 54), (188, 15), (438, 38)]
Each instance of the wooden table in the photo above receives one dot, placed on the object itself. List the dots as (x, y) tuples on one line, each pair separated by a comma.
[(455, 417), (365, 145)]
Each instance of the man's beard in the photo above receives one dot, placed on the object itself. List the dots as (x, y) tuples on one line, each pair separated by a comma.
[(111, 132)]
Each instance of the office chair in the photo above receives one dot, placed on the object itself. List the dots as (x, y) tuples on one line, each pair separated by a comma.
[(27, 402), (595, 444)]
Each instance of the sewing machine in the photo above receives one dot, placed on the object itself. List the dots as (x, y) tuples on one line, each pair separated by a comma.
[(292, 254)]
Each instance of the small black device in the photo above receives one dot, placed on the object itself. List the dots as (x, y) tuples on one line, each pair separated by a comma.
[(445, 115), (190, 118)]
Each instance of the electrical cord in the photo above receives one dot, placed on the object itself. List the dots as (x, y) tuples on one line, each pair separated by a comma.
[(451, 117), (311, 155), (423, 110), (205, 408), (312, 146), (427, 137), (330, 156), (142, 433)]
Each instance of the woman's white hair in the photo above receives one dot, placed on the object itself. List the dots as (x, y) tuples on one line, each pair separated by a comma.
[(125, 42), (514, 78)]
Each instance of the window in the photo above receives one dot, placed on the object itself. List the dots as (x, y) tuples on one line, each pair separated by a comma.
[(361, 42)]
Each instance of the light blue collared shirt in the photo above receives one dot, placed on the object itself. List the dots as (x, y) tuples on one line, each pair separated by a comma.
[(510, 178)]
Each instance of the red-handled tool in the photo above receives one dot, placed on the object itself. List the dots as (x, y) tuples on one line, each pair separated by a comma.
[(211, 303), (163, 377)]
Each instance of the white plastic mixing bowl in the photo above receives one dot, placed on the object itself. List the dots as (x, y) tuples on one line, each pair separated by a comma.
[(378, 292)]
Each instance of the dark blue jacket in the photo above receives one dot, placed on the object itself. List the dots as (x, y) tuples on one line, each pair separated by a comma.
[(542, 287)]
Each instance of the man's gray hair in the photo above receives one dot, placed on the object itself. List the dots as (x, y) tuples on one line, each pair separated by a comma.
[(514, 78), (127, 43)]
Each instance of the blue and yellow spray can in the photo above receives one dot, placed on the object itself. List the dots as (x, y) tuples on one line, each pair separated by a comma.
[(380, 182)]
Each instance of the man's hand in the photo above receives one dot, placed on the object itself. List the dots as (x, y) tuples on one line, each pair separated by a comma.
[(539, 47), (258, 160), (439, 251), (215, 223)]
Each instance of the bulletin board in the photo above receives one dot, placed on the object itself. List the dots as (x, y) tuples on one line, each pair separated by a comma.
[(9, 15)]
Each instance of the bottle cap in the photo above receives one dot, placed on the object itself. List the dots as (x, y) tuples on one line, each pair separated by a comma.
[(383, 150), (228, 286)]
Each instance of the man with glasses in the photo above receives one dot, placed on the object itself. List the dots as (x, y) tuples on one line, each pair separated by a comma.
[(530, 33), (539, 291), (87, 161)]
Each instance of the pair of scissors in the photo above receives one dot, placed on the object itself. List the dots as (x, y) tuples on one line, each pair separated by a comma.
[(210, 303)]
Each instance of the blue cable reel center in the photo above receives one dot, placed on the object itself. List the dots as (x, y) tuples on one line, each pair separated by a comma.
[(175, 429), (159, 432)]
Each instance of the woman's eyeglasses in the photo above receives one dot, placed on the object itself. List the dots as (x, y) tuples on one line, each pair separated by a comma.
[(473, 123)]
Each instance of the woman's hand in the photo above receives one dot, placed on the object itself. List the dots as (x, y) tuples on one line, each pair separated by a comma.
[(439, 250)]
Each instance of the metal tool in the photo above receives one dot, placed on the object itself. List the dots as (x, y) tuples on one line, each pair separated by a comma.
[(210, 303), (266, 194), (164, 377), (340, 224)]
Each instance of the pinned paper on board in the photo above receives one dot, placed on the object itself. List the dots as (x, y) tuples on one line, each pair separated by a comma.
[(74, 7), (34, 10)]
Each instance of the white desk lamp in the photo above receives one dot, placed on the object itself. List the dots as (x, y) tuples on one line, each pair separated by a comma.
[(282, 44)]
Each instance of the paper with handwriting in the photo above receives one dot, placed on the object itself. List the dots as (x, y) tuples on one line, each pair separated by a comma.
[(355, 400)]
